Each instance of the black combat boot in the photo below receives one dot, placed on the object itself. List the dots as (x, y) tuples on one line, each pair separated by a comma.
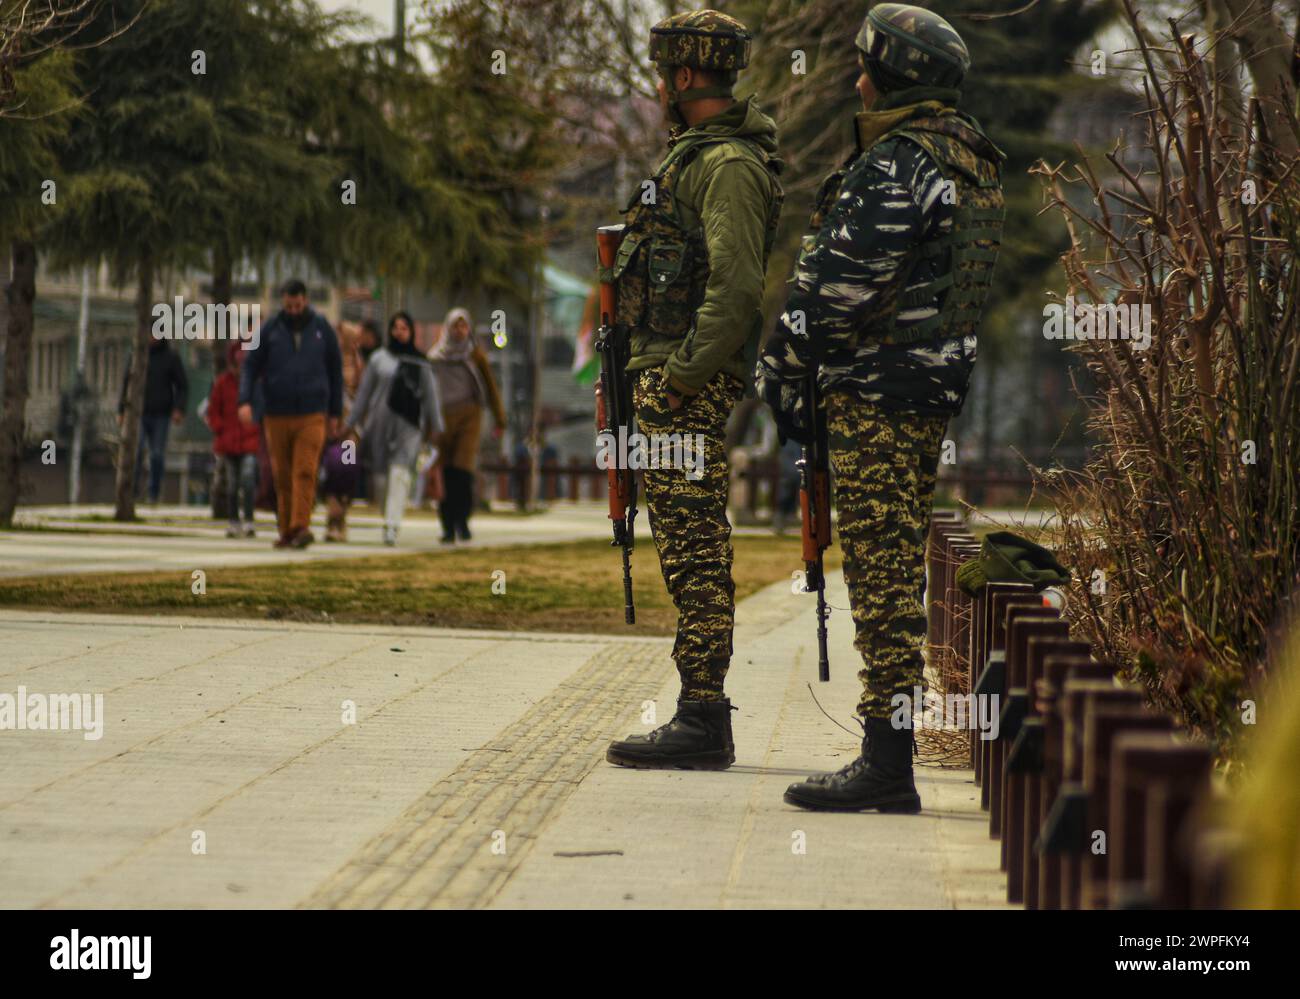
[(697, 738), (881, 778)]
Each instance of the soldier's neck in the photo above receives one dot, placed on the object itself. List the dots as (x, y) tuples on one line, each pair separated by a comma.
[(694, 112)]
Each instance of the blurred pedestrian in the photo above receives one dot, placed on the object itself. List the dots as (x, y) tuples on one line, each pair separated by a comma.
[(370, 339), (465, 386), (396, 410), (787, 494), (369, 342), (341, 465), (166, 390), (298, 364), (353, 360), (235, 444)]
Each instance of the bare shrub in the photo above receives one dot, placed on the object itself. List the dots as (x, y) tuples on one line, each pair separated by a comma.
[(1189, 501)]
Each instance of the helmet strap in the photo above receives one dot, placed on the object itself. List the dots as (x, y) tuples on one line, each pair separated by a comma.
[(675, 119), (676, 98)]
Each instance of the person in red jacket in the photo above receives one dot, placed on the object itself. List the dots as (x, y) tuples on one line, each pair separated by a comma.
[(235, 443)]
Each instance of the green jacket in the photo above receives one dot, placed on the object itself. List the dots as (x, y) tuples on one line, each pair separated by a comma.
[(732, 198)]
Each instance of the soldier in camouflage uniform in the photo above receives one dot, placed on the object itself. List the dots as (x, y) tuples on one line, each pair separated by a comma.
[(689, 282), (885, 308)]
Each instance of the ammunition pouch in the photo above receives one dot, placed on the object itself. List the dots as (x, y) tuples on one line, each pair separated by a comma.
[(662, 268)]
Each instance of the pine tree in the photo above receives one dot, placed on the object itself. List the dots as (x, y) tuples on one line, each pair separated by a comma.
[(488, 129), (37, 108), (150, 183)]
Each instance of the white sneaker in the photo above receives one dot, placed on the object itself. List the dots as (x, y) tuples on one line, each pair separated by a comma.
[(390, 536)]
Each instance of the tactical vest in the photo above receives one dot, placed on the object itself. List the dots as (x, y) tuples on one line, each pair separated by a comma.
[(967, 252), (662, 266)]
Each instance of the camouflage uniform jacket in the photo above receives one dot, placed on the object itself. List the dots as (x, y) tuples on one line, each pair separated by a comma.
[(891, 200)]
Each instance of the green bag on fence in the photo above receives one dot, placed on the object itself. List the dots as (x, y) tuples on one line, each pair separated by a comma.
[(1008, 558)]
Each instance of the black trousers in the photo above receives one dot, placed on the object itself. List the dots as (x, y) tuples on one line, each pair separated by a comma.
[(458, 498)]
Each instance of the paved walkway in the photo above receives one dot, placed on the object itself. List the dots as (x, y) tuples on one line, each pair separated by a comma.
[(473, 776)]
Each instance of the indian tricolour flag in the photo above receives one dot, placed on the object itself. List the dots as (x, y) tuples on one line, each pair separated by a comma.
[(586, 364)]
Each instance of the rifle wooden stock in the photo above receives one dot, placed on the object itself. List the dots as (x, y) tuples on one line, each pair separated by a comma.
[(815, 505)]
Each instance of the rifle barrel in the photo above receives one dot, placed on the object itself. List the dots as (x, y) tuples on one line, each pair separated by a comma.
[(814, 473), (823, 660), (629, 611)]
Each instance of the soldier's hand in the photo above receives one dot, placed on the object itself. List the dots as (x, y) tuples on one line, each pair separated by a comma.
[(770, 387), (791, 426), (786, 402), (674, 398)]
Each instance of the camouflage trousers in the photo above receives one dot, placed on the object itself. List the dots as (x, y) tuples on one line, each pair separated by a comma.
[(688, 521), (884, 465)]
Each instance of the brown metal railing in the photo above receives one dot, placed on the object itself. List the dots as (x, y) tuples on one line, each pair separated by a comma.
[(1093, 795)]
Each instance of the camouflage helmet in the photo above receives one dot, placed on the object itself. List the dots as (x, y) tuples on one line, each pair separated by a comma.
[(906, 46), (702, 39)]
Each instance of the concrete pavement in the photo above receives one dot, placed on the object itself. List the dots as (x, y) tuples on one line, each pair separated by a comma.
[(230, 773)]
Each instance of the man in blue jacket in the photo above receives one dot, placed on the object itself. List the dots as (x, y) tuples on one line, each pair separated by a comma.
[(166, 390), (300, 368)]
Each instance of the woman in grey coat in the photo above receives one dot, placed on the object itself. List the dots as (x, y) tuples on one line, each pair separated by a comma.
[(395, 411)]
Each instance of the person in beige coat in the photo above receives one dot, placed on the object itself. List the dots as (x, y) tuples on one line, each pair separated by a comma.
[(465, 387)]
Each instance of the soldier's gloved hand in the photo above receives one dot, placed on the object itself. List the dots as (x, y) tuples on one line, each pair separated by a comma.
[(786, 402), (792, 422)]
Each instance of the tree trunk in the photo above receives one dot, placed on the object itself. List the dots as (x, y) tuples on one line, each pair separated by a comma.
[(222, 292), (20, 294), (223, 284), (1261, 39), (126, 450)]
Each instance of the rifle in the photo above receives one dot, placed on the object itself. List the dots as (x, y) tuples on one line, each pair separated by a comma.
[(614, 406), (815, 513)]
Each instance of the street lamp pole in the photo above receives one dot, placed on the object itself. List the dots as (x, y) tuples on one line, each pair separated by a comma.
[(537, 311), (78, 390)]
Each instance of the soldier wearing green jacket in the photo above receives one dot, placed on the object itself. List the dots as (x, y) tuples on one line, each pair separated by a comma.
[(689, 280)]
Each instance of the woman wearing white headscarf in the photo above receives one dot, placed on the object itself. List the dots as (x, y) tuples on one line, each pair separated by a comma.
[(465, 387)]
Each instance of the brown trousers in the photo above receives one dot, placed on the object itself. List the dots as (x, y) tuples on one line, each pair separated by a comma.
[(295, 444), (458, 443)]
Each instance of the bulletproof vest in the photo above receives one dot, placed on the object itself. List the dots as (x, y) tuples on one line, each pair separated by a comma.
[(662, 266), (967, 252)]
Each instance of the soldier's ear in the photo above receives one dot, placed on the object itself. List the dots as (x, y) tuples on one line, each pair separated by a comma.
[(685, 78)]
